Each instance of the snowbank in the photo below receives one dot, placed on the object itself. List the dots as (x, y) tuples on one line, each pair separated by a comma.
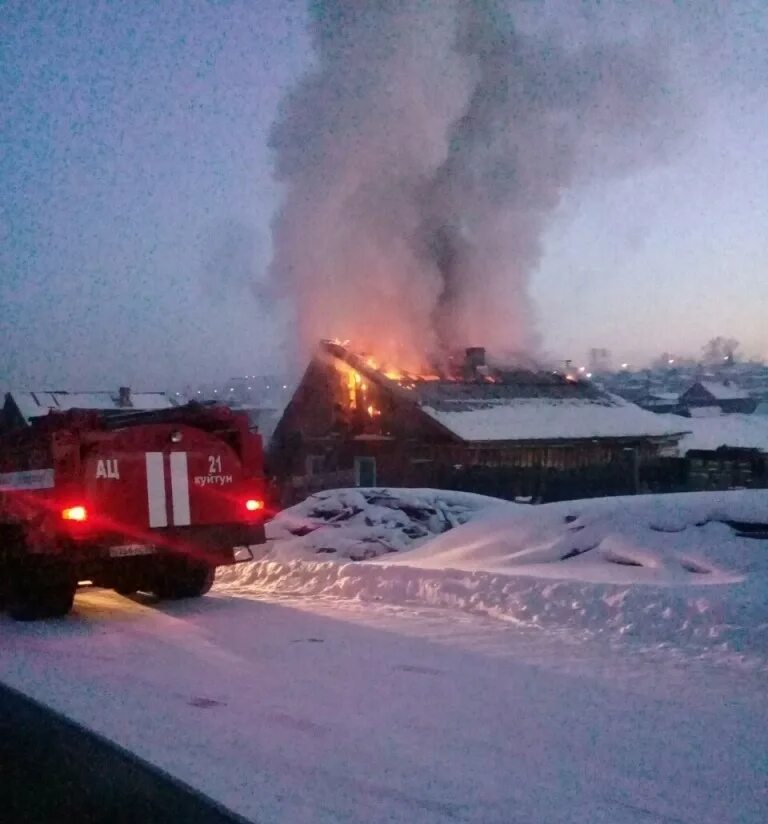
[(687, 538), (359, 524), (681, 569)]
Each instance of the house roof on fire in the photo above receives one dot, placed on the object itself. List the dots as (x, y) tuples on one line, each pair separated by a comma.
[(500, 404), (36, 404)]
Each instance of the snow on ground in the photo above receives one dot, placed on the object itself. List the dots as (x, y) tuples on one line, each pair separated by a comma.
[(680, 569), (661, 539), (366, 705), (334, 712), (359, 524)]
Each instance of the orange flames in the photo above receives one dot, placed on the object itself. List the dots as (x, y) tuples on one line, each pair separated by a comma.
[(357, 370), (383, 360), (405, 378)]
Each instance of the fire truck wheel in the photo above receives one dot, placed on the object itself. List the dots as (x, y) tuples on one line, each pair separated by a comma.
[(41, 594), (184, 579), (130, 584)]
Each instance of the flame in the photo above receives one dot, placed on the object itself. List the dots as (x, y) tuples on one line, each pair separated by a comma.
[(352, 388), (357, 379)]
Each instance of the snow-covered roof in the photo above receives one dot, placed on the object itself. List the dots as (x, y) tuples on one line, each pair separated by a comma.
[(735, 430), (724, 391), (660, 399), (665, 396), (530, 419), (35, 404)]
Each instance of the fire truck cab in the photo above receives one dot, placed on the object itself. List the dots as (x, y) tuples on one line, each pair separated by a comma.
[(134, 501)]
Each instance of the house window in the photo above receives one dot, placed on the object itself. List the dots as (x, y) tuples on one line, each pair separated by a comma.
[(365, 471), (315, 464)]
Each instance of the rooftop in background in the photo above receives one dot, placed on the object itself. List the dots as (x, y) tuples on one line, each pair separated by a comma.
[(735, 388), (30, 405), (724, 391), (726, 395)]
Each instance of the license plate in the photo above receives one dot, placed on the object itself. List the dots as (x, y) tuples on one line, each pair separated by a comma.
[(124, 550)]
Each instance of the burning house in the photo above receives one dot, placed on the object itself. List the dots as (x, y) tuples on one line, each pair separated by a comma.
[(467, 425), (420, 176)]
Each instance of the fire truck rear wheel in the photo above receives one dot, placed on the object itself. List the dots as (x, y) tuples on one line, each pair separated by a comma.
[(184, 579), (41, 593)]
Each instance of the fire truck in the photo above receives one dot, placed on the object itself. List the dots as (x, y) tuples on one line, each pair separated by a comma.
[(134, 501)]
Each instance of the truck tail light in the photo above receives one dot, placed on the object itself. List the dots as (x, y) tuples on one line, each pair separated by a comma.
[(74, 513), (254, 505)]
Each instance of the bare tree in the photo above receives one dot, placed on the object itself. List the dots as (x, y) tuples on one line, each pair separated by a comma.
[(720, 350)]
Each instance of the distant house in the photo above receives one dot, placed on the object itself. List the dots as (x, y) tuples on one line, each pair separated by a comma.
[(659, 401), (724, 395), (726, 451), (506, 432), (21, 408)]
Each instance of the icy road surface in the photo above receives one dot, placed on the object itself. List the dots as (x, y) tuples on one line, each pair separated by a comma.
[(320, 711)]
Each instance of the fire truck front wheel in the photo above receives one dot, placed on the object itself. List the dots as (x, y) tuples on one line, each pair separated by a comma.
[(41, 591)]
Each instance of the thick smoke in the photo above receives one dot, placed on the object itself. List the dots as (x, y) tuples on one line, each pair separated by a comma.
[(424, 153)]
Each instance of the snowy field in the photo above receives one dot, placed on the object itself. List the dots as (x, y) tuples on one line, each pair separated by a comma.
[(624, 685), (311, 711), (688, 569)]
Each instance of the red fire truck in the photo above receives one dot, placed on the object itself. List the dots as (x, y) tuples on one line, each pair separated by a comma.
[(135, 501)]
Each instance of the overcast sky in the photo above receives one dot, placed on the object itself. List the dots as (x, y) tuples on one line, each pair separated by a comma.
[(136, 197)]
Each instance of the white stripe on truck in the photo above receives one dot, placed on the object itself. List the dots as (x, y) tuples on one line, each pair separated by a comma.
[(156, 489), (180, 489)]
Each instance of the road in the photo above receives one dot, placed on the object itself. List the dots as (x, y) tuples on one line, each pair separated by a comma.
[(52, 770), (329, 711)]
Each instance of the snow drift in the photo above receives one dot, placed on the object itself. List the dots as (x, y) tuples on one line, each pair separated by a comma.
[(687, 538), (681, 569), (359, 524)]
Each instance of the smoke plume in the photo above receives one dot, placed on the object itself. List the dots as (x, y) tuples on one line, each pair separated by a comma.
[(424, 153)]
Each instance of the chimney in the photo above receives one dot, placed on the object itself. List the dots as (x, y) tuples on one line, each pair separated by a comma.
[(474, 362), (124, 397)]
